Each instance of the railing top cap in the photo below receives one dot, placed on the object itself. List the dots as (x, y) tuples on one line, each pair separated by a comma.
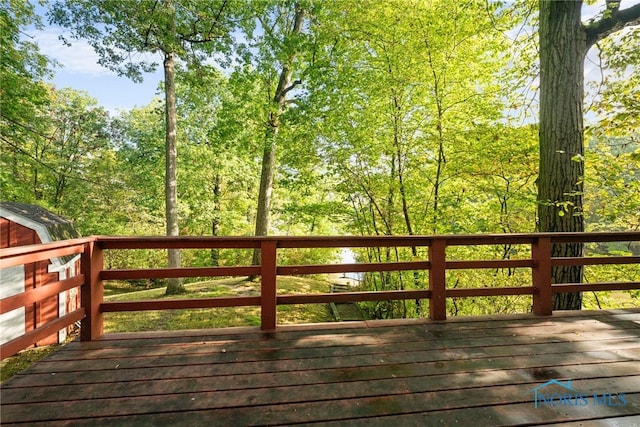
[(597, 234), (249, 242)]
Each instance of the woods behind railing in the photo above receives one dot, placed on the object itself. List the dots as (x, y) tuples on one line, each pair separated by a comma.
[(93, 274)]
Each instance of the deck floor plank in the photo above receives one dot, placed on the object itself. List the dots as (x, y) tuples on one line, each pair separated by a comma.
[(444, 339), (310, 359), (459, 372), (424, 382)]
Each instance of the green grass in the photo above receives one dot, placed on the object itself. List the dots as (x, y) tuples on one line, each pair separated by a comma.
[(21, 361), (157, 320), (608, 300)]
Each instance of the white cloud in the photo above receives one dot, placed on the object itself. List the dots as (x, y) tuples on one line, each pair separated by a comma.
[(79, 58)]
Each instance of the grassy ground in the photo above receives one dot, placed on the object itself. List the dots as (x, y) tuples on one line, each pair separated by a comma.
[(608, 300), (21, 361), (217, 317)]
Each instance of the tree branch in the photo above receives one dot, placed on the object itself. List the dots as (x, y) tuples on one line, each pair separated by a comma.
[(196, 37), (612, 21), (291, 86), (148, 32), (217, 18), (284, 83), (193, 39)]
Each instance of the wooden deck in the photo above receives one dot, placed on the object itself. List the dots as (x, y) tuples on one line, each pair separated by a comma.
[(466, 371)]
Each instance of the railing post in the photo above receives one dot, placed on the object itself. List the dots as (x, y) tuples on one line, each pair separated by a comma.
[(541, 276), (92, 292), (268, 270), (437, 280)]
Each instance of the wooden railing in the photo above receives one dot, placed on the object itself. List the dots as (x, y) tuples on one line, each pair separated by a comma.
[(22, 255), (437, 264)]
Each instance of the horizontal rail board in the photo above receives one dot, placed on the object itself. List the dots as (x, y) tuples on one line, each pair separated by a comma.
[(14, 346), (353, 241), (38, 294), (482, 264), (42, 254), (452, 240), (177, 304), (179, 242), (248, 242), (39, 247), (589, 237), (352, 297), (165, 273), (588, 287), (489, 239), (489, 292), (601, 260), (289, 270)]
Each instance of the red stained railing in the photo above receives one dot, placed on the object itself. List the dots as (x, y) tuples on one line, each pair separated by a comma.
[(93, 273), (16, 256)]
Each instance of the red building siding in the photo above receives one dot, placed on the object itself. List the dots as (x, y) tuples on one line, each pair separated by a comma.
[(35, 275)]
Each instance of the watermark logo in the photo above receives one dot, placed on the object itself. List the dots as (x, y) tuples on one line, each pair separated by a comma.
[(555, 393)]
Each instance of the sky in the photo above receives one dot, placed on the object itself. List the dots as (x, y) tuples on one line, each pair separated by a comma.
[(80, 69)]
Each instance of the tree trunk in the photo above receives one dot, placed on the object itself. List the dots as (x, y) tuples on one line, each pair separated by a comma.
[(215, 222), (563, 48), (37, 194), (564, 42), (174, 286), (407, 221), (269, 154), (266, 189), (441, 159)]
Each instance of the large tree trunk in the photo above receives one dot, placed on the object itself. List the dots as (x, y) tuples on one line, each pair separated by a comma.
[(215, 222), (174, 286), (269, 153), (266, 188), (563, 47), (564, 42)]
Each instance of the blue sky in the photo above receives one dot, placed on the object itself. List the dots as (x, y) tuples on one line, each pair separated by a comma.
[(80, 70)]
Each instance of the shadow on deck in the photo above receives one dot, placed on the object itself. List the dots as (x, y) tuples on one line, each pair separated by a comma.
[(467, 371)]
